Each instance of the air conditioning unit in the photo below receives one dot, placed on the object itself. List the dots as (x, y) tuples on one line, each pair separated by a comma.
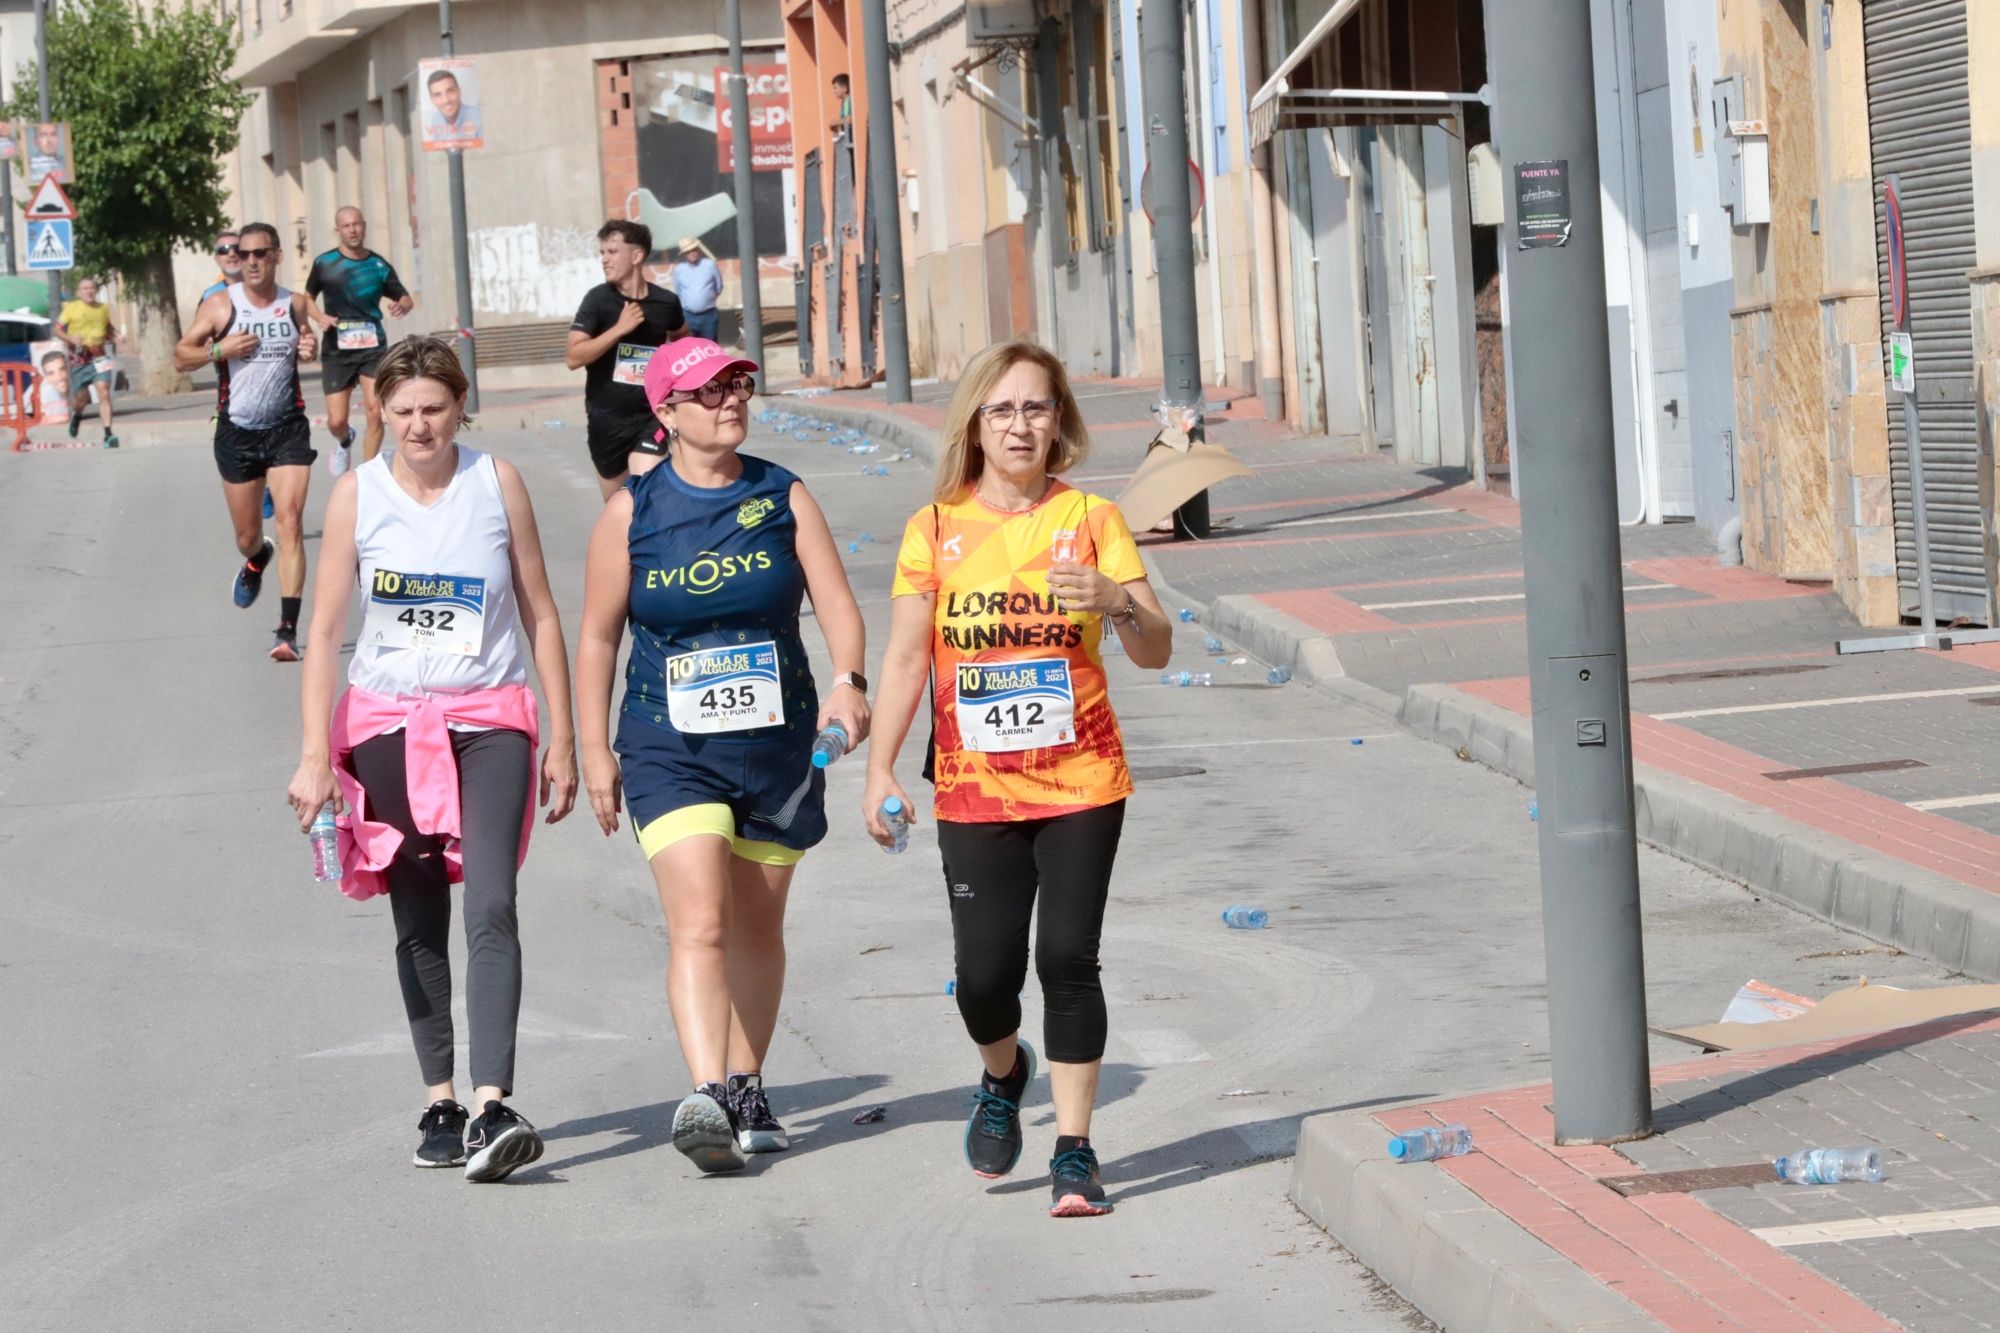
[(992, 21)]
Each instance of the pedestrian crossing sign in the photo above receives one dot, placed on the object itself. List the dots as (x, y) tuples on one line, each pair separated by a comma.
[(51, 244)]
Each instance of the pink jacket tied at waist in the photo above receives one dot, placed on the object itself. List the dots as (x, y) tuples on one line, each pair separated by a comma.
[(366, 845)]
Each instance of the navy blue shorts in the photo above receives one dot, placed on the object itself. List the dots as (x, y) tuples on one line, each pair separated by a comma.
[(774, 796)]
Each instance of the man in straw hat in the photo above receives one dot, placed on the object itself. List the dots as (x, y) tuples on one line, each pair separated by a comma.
[(698, 282)]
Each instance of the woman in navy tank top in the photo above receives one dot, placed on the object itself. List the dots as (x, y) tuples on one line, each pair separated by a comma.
[(707, 554)]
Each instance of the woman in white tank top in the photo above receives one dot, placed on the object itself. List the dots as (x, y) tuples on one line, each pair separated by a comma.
[(429, 756)]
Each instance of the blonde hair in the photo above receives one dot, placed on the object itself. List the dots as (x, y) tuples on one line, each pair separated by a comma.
[(960, 458), (418, 357)]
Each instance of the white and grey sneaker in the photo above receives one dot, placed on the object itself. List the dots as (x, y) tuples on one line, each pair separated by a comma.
[(498, 1143), (705, 1130), (338, 459), (757, 1130)]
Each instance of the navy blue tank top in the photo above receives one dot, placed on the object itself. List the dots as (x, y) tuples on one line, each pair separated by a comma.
[(716, 575)]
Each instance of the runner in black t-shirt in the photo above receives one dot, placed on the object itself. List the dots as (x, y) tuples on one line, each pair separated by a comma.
[(615, 332), (349, 282)]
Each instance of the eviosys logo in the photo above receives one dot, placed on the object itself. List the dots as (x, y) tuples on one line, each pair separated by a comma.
[(753, 512), (707, 572)]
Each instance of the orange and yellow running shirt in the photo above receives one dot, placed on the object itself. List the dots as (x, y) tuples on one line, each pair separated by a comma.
[(1024, 725)]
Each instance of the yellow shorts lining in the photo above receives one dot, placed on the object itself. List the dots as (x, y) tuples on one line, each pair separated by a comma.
[(712, 818)]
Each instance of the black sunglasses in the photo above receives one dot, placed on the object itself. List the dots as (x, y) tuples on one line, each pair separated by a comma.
[(710, 395), (261, 252), (225, 249)]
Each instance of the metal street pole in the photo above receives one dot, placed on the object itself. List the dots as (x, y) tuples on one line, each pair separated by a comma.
[(1163, 66), (42, 101), (461, 255), (883, 203), (1545, 129), (746, 230), (7, 196)]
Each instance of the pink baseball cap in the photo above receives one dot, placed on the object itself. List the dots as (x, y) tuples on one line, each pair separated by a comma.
[(686, 364)]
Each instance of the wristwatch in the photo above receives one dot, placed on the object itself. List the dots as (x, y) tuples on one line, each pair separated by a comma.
[(854, 678)]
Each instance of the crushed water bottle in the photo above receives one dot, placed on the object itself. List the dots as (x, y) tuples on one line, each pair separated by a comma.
[(854, 548), (325, 846), (829, 745), (874, 470), (1245, 918), (906, 455), (1830, 1166), (1278, 675), (1210, 644), (1187, 616), (1185, 678), (897, 820), (1431, 1142)]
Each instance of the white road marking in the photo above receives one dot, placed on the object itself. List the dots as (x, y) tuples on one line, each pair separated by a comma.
[(1956, 802), (1828, 703), (1488, 597), (1872, 1228), (1279, 740), (1353, 518)]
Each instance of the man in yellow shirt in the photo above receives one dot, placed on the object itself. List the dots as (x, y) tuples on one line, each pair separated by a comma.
[(85, 328)]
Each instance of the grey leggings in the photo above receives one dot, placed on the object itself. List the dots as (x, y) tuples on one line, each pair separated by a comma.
[(493, 792)]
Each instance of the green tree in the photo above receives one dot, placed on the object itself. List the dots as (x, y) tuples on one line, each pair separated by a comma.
[(153, 115)]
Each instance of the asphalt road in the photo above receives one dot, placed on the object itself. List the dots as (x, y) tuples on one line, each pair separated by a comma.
[(211, 1099)]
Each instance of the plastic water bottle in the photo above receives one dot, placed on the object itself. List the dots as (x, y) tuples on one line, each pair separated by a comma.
[(874, 470), (829, 745), (897, 820), (1431, 1142), (1278, 675), (325, 846), (906, 455), (1830, 1166), (1535, 811), (1184, 678), (1245, 918), (951, 987), (854, 548), (1187, 616), (1210, 644)]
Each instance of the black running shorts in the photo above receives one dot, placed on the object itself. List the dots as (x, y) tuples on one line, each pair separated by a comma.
[(242, 454), (339, 370)]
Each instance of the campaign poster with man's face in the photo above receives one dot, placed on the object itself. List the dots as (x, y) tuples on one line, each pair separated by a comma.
[(46, 147), (449, 107)]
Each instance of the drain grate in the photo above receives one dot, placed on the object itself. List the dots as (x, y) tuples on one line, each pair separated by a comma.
[(1738, 673), (1842, 770), (1686, 1182)]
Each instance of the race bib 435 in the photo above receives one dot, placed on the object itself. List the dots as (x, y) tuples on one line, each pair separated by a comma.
[(725, 689)]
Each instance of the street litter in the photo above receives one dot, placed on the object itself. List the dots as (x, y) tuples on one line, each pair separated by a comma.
[(1845, 1013), (1246, 1092), (1430, 1142), (871, 1115), (1760, 1002), (1830, 1166), (1245, 918)]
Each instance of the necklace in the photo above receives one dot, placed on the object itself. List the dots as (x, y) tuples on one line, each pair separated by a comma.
[(991, 503)]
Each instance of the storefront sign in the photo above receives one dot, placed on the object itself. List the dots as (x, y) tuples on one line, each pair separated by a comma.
[(770, 119)]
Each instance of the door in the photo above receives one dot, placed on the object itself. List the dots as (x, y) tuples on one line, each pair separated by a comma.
[(1920, 130)]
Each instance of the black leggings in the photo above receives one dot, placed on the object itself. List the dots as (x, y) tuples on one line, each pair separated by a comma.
[(493, 792), (993, 874)]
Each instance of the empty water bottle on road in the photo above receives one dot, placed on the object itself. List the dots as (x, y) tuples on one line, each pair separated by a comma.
[(1184, 678), (325, 847), (1830, 1166), (1431, 1142), (829, 745), (1187, 616), (1245, 918), (1210, 644), (1278, 675), (897, 820)]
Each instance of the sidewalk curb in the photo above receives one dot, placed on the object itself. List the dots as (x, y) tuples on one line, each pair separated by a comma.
[(1449, 1252), (1919, 911)]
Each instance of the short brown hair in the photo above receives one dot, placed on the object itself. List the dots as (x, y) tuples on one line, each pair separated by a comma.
[(420, 357), (959, 456), (632, 233)]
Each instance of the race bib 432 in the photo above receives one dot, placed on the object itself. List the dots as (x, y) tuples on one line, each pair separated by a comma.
[(438, 613)]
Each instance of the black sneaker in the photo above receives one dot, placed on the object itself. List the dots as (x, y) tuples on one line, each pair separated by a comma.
[(285, 644), (249, 581), (993, 1130), (498, 1143), (705, 1130), (110, 440), (1073, 1186), (75, 421), (444, 1135), (757, 1130)]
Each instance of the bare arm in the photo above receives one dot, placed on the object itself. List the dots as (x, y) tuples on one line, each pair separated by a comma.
[(585, 348), (839, 615), (313, 785), (192, 351), (543, 626), (607, 593), (303, 315), (906, 669)]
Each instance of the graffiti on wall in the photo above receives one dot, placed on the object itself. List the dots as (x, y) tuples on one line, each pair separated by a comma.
[(533, 269)]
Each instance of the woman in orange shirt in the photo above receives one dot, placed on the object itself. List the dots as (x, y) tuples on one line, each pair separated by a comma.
[(1003, 590)]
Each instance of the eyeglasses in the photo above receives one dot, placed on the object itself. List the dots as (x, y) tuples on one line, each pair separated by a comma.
[(1036, 411), (261, 252), (711, 395), (225, 249)]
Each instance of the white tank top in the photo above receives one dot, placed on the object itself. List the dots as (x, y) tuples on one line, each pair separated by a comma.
[(437, 612), (261, 390)]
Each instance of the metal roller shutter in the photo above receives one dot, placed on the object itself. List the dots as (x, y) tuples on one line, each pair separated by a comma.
[(1920, 128)]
